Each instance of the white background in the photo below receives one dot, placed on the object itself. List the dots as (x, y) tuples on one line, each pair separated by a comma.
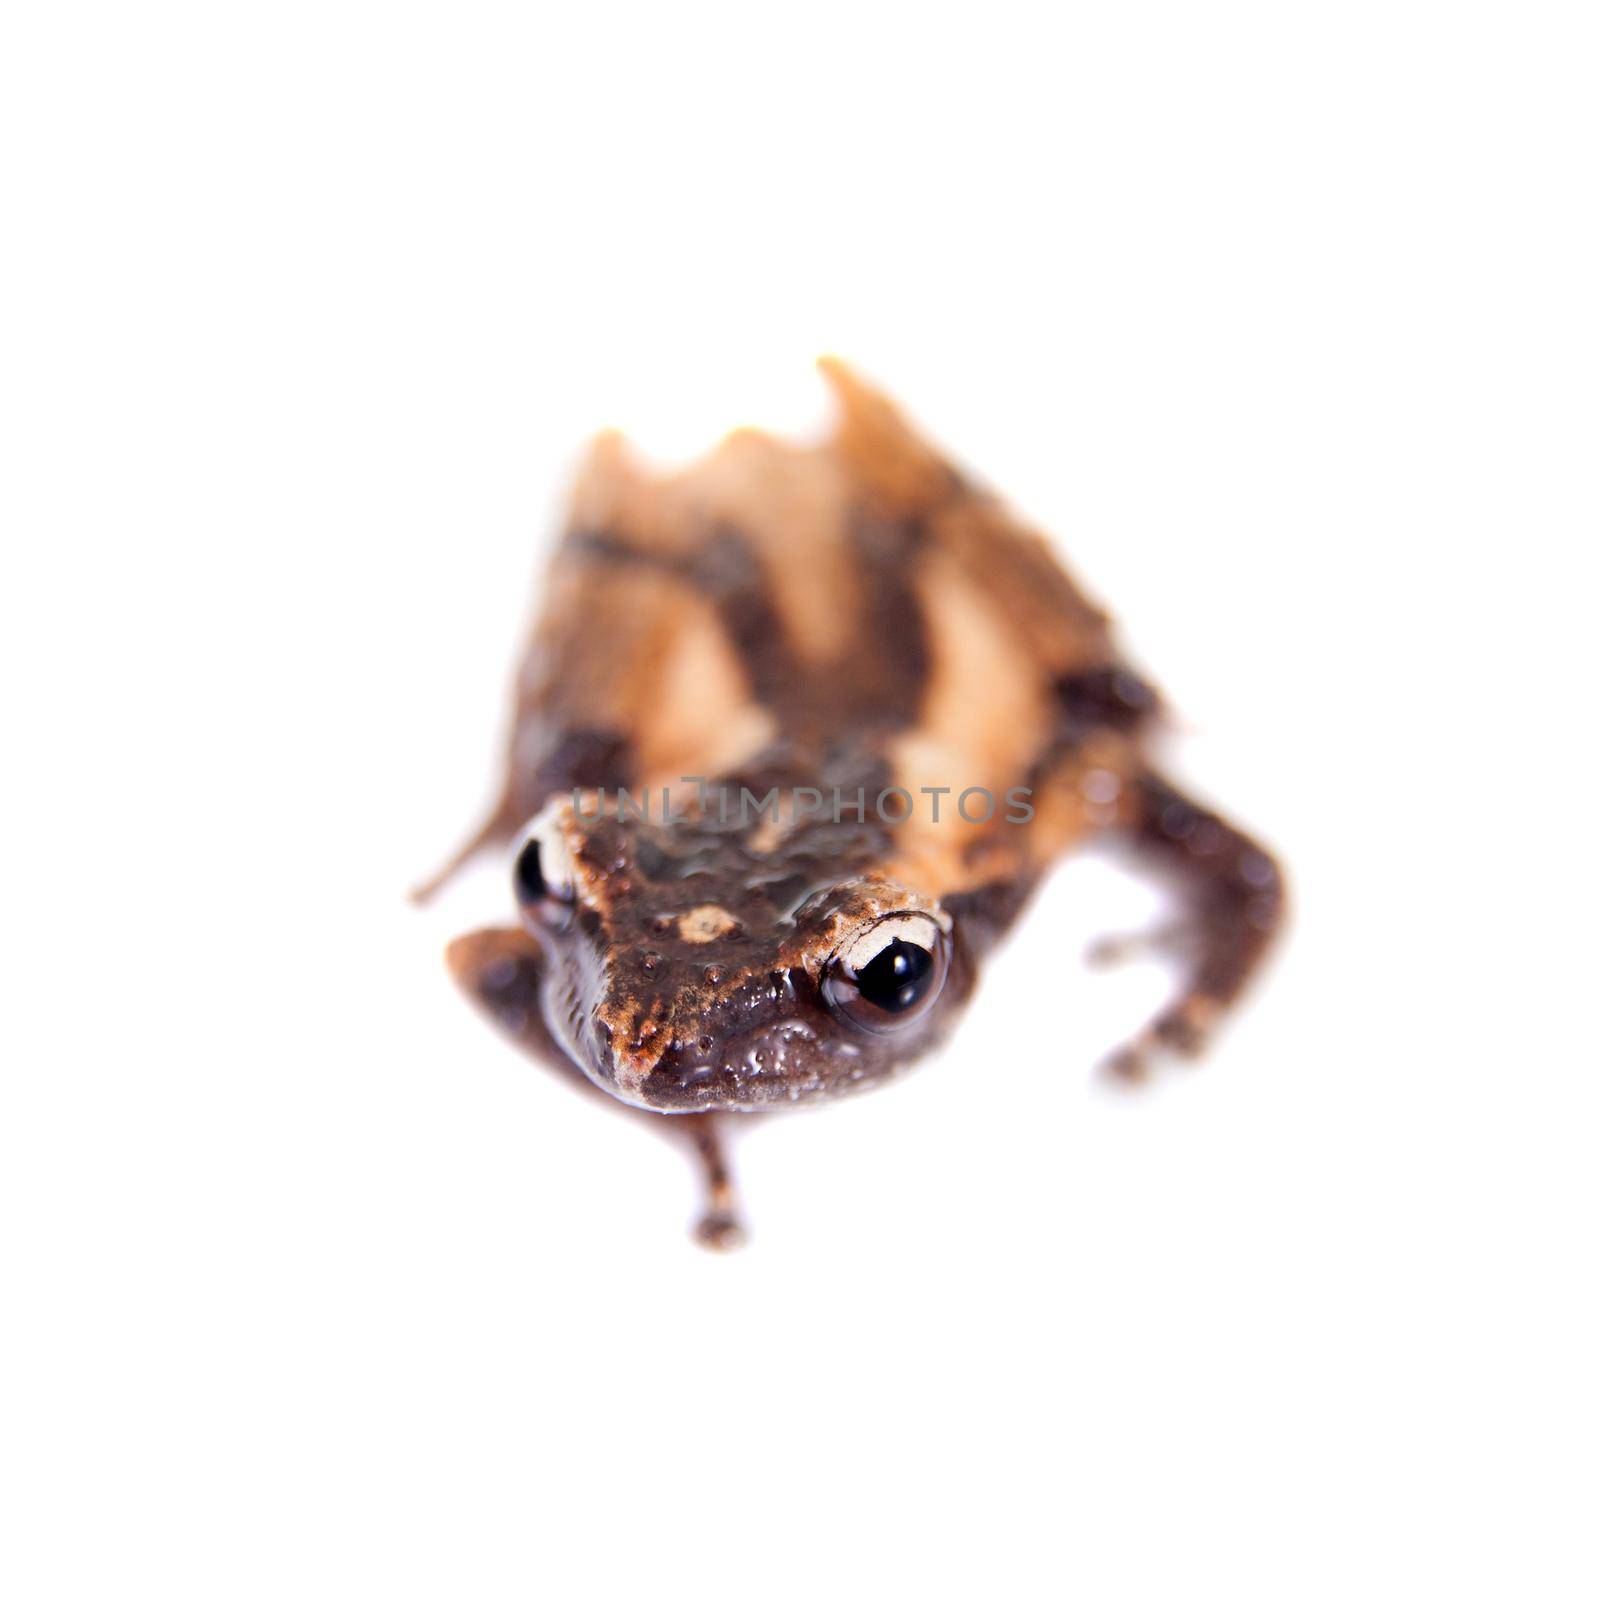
[(1281, 317)]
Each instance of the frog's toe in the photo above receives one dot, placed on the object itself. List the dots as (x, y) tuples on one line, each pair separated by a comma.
[(719, 1230), (1116, 949), (1182, 1030), (1129, 1067)]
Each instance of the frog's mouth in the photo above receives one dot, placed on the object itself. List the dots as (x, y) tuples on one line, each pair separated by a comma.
[(782, 1063), (770, 1043)]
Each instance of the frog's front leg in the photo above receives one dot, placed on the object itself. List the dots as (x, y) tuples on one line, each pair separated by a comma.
[(500, 969), (719, 1227), (1231, 904)]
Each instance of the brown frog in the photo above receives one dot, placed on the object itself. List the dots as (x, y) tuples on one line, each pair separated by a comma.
[(796, 736)]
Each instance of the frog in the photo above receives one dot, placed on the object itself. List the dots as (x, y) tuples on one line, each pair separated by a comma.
[(798, 732)]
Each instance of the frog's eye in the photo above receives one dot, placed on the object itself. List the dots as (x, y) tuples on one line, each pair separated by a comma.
[(543, 872), (890, 973)]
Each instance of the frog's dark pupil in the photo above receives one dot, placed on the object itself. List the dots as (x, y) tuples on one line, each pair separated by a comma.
[(530, 879), (897, 977)]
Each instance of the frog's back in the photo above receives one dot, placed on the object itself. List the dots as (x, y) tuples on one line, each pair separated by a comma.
[(855, 593)]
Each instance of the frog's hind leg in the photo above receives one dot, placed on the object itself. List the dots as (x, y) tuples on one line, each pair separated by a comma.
[(500, 969), (1231, 905)]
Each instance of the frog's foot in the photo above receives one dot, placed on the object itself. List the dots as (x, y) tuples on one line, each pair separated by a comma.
[(1231, 900), (719, 1227), (719, 1230), (1181, 1031)]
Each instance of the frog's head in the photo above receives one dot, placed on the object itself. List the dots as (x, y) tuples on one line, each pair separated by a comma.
[(692, 966)]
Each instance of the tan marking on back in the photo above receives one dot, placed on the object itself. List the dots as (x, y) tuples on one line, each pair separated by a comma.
[(627, 649), (901, 474), (790, 503), (648, 655), (695, 716), (1015, 566), (596, 643), (984, 722), (792, 506)]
